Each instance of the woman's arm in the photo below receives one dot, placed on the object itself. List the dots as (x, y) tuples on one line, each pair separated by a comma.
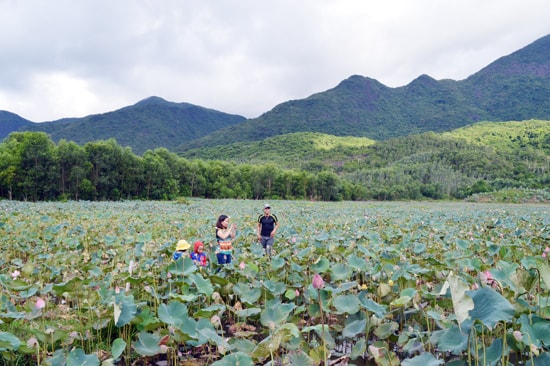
[(227, 233)]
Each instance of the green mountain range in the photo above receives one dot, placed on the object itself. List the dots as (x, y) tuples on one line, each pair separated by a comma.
[(146, 125), (515, 87)]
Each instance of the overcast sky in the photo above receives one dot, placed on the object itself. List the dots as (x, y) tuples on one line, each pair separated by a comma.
[(72, 58)]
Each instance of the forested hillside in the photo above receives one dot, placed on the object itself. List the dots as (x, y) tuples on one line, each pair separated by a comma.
[(514, 87), (481, 158), (146, 125)]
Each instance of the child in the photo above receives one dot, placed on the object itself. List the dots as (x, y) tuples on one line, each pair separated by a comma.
[(198, 256), (181, 249)]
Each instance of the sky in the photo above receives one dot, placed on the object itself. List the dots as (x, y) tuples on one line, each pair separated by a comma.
[(67, 58)]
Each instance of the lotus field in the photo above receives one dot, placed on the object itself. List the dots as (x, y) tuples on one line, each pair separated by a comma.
[(364, 283)]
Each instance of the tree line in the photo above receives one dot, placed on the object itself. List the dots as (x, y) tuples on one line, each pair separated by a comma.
[(34, 168)]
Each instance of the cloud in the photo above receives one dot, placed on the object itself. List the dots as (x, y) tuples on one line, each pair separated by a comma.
[(73, 58)]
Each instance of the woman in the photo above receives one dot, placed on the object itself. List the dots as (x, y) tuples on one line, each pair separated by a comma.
[(224, 236)]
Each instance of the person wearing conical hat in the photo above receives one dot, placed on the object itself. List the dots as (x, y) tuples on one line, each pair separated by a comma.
[(181, 249)]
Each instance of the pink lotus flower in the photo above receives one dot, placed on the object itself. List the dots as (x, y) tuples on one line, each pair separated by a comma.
[(293, 239), (32, 342), (318, 282), (486, 276), (40, 304), (15, 274), (242, 265), (297, 292)]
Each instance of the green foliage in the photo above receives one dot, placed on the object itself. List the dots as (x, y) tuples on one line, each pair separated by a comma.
[(149, 124), (514, 87), (458, 278), (453, 165)]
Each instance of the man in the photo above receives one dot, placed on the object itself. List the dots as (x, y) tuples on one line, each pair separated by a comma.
[(267, 228)]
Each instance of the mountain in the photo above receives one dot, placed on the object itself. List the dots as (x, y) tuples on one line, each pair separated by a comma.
[(11, 122), (514, 87), (146, 125)]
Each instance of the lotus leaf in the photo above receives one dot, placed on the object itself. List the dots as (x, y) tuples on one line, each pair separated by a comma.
[(535, 330), (425, 359), (245, 313), (209, 334), (355, 324), (491, 355), (118, 346), (147, 344), (490, 307), (275, 287), (346, 304), (400, 302), (542, 360), (267, 346), (544, 271), (237, 358), (298, 358), (9, 342), (321, 265), (357, 263), (273, 317), (203, 285), (277, 263), (462, 303), (358, 349), (58, 359), (242, 345), (372, 306), (173, 313), (77, 357), (384, 330), (322, 331), (450, 340), (343, 287), (340, 271)]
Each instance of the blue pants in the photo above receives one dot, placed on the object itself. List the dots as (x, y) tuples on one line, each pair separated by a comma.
[(223, 258)]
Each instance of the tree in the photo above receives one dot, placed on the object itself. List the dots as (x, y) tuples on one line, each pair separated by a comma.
[(32, 169), (159, 181), (105, 157), (74, 167)]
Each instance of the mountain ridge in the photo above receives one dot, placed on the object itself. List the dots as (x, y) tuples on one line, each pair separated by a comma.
[(514, 87), (366, 108)]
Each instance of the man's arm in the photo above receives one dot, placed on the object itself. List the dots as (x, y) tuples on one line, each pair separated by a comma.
[(276, 227)]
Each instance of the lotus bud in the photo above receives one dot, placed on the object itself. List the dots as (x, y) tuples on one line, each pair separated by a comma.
[(318, 282)]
